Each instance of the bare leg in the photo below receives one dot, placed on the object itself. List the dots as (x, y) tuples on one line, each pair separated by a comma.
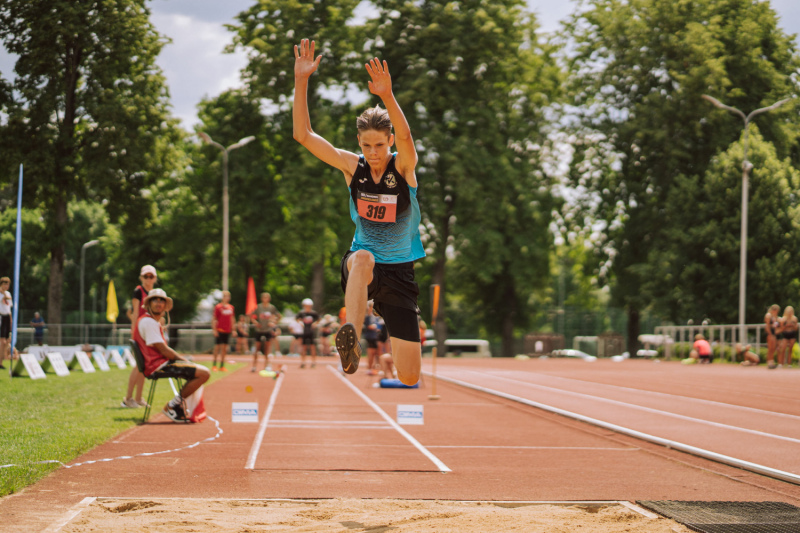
[(771, 345), (302, 355), (387, 365), (132, 381), (139, 385), (359, 268), (789, 349), (313, 355), (407, 357), (222, 349), (781, 349)]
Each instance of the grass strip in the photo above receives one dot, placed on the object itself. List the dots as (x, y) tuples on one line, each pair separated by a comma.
[(63, 418)]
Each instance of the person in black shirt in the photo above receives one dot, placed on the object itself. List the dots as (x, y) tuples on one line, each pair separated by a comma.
[(309, 318)]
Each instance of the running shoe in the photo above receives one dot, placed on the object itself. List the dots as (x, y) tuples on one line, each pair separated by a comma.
[(214, 369), (129, 403), (176, 414), (223, 369), (349, 348), (253, 369), (142, 403)]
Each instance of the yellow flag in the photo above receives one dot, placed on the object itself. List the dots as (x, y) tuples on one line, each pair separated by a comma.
[(112, 309)]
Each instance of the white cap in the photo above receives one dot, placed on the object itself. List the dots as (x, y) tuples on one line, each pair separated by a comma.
[(308, 301), (148, 269)]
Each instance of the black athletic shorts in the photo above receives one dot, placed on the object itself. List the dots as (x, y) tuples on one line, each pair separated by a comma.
[(308, 340), (223, 337), (268, 335), (394, 292), (372, 343), (176, 369), (5, 326)]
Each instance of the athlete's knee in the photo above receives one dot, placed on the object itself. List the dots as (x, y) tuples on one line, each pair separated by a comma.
[(362, 260), (202, 372)]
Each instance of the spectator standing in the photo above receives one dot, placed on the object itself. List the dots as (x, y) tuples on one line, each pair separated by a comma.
[(371, 335), (6, 303), (310, 320), (772, 326), (326, 328), (789, 329), (148, 278), (296, 329), (161, 361), (242, 334), (222, 326), (265, 318), (38, 328)]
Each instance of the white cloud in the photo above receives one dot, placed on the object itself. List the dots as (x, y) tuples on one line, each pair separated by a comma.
[(194, 64)]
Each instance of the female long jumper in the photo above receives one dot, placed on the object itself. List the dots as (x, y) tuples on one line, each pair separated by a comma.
[(383, 205)]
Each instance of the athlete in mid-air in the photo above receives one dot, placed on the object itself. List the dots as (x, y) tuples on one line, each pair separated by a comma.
[(383, 205)]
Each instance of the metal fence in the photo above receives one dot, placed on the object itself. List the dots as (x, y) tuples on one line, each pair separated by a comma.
[(187, 338), (723, 337)]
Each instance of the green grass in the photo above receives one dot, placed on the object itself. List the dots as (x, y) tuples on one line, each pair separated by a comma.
[(62, 418)]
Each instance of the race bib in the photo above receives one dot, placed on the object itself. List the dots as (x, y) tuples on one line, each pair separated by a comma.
[(377, 207)]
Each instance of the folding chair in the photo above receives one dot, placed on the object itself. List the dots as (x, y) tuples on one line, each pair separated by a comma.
[(137, 354)]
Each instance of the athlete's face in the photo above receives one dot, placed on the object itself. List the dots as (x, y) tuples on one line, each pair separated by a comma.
[(376, 146)]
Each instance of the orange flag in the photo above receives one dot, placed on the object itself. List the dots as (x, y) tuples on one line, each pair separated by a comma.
[(252, 303)]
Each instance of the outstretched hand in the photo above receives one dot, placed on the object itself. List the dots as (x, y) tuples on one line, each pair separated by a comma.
[(381, 84), (304, 63)]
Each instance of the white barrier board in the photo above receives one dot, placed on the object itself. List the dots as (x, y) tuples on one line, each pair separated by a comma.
[(117, 358), (32, 366), (85, 362), (129, 357), (58, 364), (410, 415), (244, 412), (100, 359)]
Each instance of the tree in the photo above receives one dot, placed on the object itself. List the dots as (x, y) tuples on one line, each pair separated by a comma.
[(639, 68), (317, 227), (474, 79), (699, 281), (87, 111)]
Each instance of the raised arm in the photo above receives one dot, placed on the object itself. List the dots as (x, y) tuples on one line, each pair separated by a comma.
[(381, 86), (304, 66)]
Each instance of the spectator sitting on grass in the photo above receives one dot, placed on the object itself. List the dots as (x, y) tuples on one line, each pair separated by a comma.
[(161, 361), (749, 357)]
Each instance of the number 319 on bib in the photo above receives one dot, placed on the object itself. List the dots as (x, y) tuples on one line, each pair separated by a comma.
[(377, 207)]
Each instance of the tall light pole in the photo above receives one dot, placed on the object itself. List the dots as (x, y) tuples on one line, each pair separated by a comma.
[(746, 168), (83, 269), (225, 151)]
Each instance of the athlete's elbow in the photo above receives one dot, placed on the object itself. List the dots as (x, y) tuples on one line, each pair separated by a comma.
[(300, 136)]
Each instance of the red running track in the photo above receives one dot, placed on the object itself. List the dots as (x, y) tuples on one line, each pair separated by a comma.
[(749, 414), (325, 439)]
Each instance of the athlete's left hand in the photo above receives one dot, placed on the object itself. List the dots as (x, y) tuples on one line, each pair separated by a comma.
[(381, 84)]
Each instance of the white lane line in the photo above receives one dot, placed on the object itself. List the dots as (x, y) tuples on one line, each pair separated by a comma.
[(646, 409), (700, 452), (329, 422), (656, 393), (69, 515), (251, 459), (541, 448), (300, 426), (439, 464)]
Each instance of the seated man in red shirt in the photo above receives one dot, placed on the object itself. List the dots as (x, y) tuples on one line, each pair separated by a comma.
[(161, 361)]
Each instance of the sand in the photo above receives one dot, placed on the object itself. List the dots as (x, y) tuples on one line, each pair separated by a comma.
[(352, 515)]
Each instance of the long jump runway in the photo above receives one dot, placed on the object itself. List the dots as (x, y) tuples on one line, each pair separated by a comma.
[(324, 435)]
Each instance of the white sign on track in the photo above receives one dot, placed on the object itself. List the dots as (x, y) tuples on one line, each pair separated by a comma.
[(410, 415), (100, 359), (85, 362), (58, 364), (244, 412), (118, 360)]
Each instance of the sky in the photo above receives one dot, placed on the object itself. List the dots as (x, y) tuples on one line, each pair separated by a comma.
[(196, 67)]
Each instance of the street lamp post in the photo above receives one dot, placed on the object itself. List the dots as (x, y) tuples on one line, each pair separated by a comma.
[(83, 265), (208, 140), (746, 168)]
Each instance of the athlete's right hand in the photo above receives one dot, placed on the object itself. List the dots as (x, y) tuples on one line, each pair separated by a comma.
[(304, 62)]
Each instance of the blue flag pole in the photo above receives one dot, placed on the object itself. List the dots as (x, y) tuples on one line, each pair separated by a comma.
[(17, 253)]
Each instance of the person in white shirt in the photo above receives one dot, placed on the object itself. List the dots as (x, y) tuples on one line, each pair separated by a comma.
[(6, 303), (161, 361)]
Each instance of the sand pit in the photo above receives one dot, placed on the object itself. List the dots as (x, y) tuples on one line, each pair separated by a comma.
[(352, 515)]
